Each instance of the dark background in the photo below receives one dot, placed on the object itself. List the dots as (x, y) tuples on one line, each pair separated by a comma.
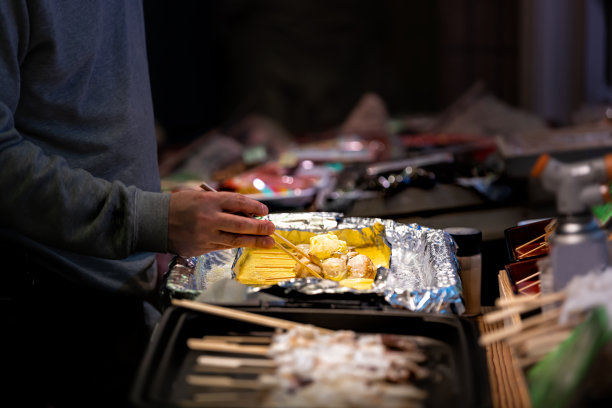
[(306, 63)]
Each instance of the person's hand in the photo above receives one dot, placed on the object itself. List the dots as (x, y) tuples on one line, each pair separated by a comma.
[(200, 222)]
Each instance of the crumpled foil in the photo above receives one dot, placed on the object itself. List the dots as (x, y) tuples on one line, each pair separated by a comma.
[(423, 273)]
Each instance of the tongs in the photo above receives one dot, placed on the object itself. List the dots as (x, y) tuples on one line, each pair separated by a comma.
[(290, 244)]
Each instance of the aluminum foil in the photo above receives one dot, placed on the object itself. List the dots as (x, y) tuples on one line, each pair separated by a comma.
[(423, 273)]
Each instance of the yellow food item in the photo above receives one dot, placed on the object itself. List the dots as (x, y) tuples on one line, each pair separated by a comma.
[(357, 283), (324, 245)]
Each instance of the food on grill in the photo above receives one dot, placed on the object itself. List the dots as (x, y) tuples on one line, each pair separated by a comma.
[(344, 369)]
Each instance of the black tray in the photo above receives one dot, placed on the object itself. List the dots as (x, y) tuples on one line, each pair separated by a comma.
[(459, 372)]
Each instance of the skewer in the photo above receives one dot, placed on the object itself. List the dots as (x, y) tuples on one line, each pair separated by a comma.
[(240, 339), (530, 242), (220, 397), (272, 257), (207, 369), (549, 228), (274, 266), (241, 315), (527, 278), (529, 286), (308, 268), (225, 382), (533, 250), (534, 300), (516, 330), (285, 240), (234, 362), (205, 345)]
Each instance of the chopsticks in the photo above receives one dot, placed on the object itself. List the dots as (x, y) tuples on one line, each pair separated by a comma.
[(290, 244), (241, 315)]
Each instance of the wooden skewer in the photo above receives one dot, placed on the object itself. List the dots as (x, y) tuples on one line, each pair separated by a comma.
[(298, 260), (520, 328), (524, 288), (240, 339), (206, 369), (533, 250), (274, 266), (285, 240), (543, 329), (222, 381), (527, 278), (273, 257), (233, 362), (530, 242), (537, 301), (205, 345), (241, 315), (549, 228), (220, 397)]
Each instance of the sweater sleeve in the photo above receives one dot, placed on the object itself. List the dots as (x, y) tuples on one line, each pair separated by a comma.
[(46, 199)]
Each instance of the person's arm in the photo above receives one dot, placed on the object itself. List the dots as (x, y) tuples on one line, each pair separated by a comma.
[(46, 200)]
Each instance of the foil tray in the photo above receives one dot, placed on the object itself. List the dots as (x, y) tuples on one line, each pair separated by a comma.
[(423, 273)]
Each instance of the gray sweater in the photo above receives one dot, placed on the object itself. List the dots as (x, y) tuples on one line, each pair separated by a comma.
[(79, 180)]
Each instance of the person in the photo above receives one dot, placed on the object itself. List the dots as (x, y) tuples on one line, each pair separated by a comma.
[(81, 213)]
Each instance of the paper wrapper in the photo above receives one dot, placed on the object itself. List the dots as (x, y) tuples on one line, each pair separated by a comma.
[(422, 276)]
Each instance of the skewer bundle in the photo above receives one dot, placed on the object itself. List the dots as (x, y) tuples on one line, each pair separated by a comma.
[(534, 325)]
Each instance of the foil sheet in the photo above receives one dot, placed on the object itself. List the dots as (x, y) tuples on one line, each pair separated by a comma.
[(423, 273)]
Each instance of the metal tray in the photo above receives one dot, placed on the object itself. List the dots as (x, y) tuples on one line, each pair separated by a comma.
[(459, 373)]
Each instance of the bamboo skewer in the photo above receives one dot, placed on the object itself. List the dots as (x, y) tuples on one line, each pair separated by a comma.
[(285, 240), (240, 339), (241, 315), (273, 257), (524, 288), (274, 266), (224, 382), (532, 250), (527, 278), (205, 345), (234, 362), (549, 228), (512, 333), (521, 304), (298, 260), (530, 242), (533, 300), (221, 397)]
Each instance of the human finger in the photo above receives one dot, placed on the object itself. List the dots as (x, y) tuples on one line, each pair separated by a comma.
[(238, 203), (245, 241), (239, 224)]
